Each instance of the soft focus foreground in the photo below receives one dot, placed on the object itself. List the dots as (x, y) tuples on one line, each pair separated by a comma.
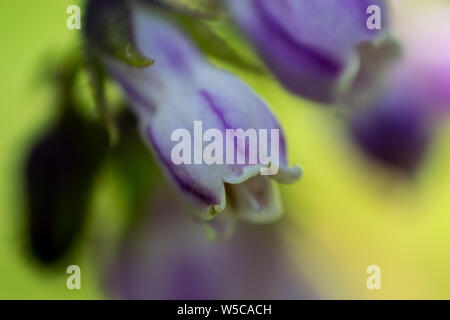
[(347, 213)]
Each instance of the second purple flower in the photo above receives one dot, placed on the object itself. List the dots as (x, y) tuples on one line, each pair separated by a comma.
[(311, 46)]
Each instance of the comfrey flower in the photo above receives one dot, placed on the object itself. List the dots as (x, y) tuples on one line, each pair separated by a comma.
[(312, 46), (400, 121), (153, 263), (182, 89), (395, 131)]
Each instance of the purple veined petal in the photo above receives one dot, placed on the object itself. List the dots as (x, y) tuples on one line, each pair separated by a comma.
[(328, 25), (176, 93), (309, 45), (243, 109), (205, 183)]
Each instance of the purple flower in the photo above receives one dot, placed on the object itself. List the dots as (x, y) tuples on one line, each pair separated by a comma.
[(399, 123), (396, 132), (311, 46), (182, 89), (168, 257)]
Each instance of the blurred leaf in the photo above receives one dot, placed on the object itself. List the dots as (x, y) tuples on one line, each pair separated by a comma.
[(108, 27), (193, 17), (60, 172), (199, 8), (212, 43), (98, 85), (59, 176)]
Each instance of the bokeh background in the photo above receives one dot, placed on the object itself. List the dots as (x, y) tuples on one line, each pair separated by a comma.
[(345, 214)]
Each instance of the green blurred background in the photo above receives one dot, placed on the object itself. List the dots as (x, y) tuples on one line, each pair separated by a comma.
[(33, 34), (347, 213)]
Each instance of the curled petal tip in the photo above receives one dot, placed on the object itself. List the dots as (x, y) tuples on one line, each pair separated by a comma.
[(289, 174)]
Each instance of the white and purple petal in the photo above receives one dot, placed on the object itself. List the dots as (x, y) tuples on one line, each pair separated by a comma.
[(182, 89)]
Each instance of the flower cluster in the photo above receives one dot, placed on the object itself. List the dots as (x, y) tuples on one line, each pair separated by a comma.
[(312, 47), (328, 51)]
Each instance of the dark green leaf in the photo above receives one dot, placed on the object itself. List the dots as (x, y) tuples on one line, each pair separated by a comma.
[(108, 27)]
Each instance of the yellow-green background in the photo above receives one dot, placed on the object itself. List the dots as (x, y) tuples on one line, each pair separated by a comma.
[(347, 213), (32, 33)]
